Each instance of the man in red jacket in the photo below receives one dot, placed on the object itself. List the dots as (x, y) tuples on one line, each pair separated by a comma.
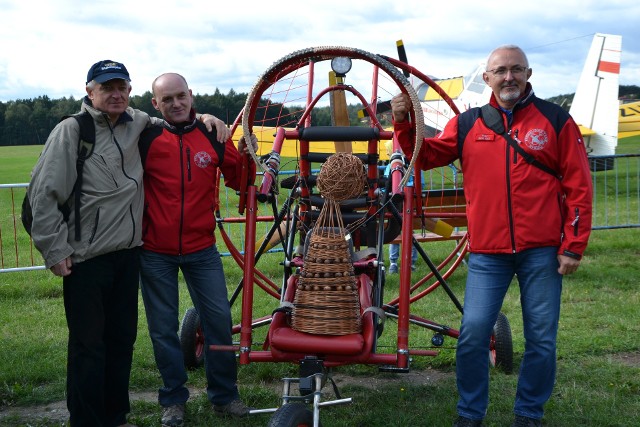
[(180, 178), (522, 221)]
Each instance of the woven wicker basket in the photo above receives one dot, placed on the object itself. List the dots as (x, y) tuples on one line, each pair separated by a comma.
[(326, 300)]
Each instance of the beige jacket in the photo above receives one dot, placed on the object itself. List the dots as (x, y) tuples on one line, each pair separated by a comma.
[(112, 193)]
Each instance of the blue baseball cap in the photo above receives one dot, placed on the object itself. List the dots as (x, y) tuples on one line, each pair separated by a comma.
[(107, 70)]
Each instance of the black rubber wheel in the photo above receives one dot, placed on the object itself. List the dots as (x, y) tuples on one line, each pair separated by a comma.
[(192, 339), (292, 415), (501, 353), (393, 227)]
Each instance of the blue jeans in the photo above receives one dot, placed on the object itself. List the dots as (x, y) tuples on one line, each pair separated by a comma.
[(206, 284), (488, 279), (394, 253)]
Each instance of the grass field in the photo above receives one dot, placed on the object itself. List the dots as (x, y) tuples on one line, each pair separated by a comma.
[(598, 381)]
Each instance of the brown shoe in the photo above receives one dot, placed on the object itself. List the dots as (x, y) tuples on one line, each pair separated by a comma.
[(173, 416), (235, 408)]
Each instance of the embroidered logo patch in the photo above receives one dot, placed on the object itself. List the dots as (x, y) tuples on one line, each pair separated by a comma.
[(202, 159), (536, 139)]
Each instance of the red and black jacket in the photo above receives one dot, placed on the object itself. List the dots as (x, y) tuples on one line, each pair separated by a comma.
[(180, 177), (512, 205)]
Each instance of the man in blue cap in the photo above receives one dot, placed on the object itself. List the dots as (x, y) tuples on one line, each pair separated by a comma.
[(94, 245)]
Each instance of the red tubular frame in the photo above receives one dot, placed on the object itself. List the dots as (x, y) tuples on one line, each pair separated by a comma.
[(248, 205), (249, 272)]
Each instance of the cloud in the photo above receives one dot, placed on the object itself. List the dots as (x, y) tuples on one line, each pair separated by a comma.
[(48, 47)]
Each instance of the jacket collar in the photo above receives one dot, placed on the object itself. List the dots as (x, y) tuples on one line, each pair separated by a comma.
[(185, 127)]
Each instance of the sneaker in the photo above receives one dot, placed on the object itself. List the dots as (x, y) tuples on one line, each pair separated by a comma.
[(393, 268), (413, 267), (173, 416), (467, 422), (235, 408), (522, 421)]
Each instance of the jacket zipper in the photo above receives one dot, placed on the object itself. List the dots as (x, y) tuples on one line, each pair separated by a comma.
[(115, 140), (515, 153), (117, 144), (509, 201), (188, 164), (181, 198)]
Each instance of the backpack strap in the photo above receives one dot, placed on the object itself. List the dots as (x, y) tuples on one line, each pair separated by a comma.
[(493, 120), (465, 123), (85, 149)]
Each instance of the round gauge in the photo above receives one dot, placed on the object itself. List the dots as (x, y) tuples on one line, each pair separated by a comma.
[(341, 65)]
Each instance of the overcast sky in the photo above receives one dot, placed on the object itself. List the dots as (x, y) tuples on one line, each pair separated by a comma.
[(47, 47)]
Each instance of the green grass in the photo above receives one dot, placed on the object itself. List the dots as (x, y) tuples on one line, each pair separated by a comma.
[(595, 386), (17, 162)]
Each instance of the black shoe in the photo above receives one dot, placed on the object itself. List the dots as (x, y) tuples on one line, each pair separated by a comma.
[(467, 422), (522, 421)]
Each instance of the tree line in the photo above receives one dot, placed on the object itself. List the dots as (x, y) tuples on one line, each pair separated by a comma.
[(626, 93), (29, 121)]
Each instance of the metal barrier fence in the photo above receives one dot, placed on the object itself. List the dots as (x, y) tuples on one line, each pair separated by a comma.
[(616, 191), (616, 204), (16, 248)]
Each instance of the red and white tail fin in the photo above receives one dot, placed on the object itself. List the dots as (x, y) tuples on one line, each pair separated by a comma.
[(595, 104)]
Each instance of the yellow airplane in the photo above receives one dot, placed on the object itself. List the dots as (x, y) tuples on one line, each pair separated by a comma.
[(266, 136), (629, 120), (593, 108)]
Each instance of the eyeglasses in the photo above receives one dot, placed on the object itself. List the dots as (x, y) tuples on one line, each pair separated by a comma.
[(502, 71)]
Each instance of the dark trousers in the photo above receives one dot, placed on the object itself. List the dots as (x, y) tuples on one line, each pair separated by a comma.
[(101, 307)]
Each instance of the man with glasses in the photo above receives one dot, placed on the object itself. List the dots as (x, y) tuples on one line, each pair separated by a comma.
[(524, 221)]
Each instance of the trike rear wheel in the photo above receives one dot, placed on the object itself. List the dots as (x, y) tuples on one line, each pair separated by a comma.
[(292, 415), (501, 354), (192, 339)]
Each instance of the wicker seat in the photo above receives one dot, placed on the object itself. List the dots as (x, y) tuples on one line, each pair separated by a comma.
[(284, 340), (327, 298)]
